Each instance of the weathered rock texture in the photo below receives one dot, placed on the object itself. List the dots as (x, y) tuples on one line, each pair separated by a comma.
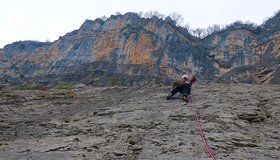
[(132, 48), (240, 121)]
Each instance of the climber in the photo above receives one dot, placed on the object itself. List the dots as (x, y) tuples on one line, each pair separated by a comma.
[(183, 86)]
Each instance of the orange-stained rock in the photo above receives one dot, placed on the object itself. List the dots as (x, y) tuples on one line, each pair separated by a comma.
[(131, 45), (276, 48), (139, 51), (105, 44)]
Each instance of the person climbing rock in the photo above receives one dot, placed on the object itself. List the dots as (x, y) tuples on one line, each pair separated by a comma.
[(183, 86)]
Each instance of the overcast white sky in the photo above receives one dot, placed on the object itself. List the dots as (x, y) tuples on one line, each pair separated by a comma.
[(48, 19)]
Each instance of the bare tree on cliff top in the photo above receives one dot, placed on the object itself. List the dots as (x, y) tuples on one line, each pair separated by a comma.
[(198, 32), (150, 14), (176, 17)]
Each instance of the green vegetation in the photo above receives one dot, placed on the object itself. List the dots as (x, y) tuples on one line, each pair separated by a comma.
[(114, 80), (66, 86), (70, 93), (63, 85), (31, 87)]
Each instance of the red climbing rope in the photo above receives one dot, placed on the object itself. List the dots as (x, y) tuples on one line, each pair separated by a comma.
[(200, 130)]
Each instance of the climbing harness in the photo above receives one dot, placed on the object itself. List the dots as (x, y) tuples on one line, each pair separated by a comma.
[(200, 130)]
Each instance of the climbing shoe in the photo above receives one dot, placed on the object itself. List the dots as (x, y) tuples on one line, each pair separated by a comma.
[(185, 98), (169, 96)]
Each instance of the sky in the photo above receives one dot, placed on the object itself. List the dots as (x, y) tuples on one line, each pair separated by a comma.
[(46, 20)]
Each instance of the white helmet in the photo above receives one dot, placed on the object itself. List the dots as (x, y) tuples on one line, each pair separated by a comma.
[(184, 76)]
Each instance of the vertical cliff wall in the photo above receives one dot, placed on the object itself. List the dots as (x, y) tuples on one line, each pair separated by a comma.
[(145, 48)]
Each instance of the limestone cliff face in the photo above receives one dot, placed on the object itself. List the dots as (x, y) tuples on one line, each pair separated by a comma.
[(232, 49), (243, 53), (268, 47), (125, 44), (131, 47)]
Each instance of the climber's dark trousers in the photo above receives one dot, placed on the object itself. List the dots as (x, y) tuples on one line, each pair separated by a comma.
[(184, 88)]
